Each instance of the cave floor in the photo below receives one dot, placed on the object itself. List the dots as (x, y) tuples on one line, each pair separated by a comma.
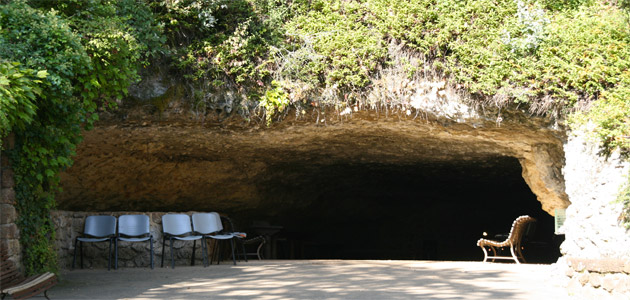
[(317, 279)]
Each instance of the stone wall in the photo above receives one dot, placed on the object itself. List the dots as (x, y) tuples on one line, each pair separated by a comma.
[(69, 225), (9, 233), (597, 246)]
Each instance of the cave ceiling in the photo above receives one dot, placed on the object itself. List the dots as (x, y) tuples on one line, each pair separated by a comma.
[(152, 163)]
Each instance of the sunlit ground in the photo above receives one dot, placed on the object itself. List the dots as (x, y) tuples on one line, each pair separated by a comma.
[(317, 279)]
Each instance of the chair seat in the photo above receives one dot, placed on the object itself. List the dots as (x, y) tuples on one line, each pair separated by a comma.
[(220, 236), (92, 240), (240, 235), (187, 238), (140, 239)]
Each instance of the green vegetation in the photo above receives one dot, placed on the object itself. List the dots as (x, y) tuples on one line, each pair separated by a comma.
[(80, 65), (61, 61)]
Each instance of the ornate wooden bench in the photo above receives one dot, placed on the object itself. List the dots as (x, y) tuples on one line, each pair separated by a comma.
[(12, 282), (513, 241)]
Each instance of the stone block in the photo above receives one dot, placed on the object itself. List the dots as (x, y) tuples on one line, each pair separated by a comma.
[(7, 178), (569, 272), (141, 246), (573, 286), (12, 246), (583, 278), (102, 245), (609, 282), (8, 215), (142, 261), (576, 264), (9, 231), (81, 215), (622, 283), (7, 196), (77, 224), (595, 279)]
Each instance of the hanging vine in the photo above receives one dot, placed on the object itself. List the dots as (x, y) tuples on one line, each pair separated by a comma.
[(54, 73)]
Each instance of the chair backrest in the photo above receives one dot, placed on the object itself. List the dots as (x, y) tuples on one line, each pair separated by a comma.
[(229, 225), (133, 225), (205, 223), (176, 224), (100, 226), (218, 220), (518, 228)]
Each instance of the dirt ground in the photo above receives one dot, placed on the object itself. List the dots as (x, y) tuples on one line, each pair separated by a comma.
[(317, 279)]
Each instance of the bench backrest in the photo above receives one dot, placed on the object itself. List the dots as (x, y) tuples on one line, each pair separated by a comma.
[(518, 228), (9, 274)]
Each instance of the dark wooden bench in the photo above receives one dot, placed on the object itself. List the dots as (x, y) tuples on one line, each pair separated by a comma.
[(12, 282), (513, 241)]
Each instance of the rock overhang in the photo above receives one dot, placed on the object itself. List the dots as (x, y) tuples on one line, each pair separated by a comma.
[(154, 164)]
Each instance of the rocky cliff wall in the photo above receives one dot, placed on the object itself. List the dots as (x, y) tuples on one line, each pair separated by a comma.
[(138, 160), (597, 245), (9, 232)]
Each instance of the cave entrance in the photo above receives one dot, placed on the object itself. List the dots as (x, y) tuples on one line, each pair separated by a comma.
[(357, 190), (433, 210)]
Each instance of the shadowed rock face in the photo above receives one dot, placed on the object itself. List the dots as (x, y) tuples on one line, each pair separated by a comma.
[(169, 166)]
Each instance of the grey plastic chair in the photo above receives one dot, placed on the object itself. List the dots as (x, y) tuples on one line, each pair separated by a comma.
[(133, 228), (209, 226), (177, 227), (96, 229)]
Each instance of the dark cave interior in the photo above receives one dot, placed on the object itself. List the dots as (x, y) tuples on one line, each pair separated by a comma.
[(431, 210)]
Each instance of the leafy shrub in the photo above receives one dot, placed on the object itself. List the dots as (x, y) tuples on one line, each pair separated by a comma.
[(88, 53), (339, 32), (44, 144), (19, 90), (117, 35), (274, 99)]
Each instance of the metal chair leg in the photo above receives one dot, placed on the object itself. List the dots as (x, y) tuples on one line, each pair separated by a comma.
[(219, 254), (172, 258), (116, 254), (163, 245), (514, 255), (233, 256), (75, 253), (192, 259), (244, 250), (485, 254), (109, 255), (81, 250), (204, 251), (151, 242), (260, 257), (214, 251)]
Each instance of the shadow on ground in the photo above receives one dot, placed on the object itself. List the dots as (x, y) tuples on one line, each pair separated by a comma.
[(316, 279)]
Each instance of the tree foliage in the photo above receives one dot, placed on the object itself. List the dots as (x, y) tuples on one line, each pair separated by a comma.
[(85, 57)]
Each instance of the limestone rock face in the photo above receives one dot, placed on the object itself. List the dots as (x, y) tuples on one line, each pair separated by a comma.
[(592, 227), (144, 162)]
